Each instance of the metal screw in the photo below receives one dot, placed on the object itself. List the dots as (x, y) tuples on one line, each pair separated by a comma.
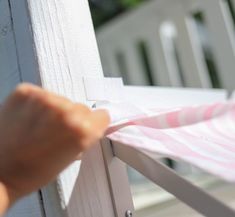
[(128, 213)]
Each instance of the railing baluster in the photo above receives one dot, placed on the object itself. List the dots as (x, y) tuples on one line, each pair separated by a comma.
[(194, 69), (135, 69), (222, 35), (157, 57), (110, 64)]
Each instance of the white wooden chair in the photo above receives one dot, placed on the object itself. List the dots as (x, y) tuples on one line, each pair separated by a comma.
[(52, 44), (175, 44)]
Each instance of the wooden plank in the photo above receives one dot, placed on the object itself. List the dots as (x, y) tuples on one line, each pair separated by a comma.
[(166, 178), (195, 72), (65, 30), (156, 51), (62, 44), (170, 58), (109, 62), (120, 187), (136, 73), (221, 29), (158, 97)]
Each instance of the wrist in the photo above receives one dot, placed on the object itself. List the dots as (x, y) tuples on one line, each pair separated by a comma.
[(7, 198)]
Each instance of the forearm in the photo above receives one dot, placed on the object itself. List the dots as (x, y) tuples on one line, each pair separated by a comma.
[(6, 199)]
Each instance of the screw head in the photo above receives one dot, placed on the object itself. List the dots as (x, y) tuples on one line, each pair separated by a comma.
[(128, 213)]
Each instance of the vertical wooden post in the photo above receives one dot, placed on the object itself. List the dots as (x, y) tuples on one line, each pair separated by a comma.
[(52, 44), (194, 69), (109, 62), (119, 187), (157, 56), (222, 35), (136, 72), (169, 57)]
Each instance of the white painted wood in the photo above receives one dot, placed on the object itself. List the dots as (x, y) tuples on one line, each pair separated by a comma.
[(142, 24), (66, 50), (147, 23), (166, 178), (220, 26), (109, 64), (156, 55), (194, 70), (130, 28), (169, 53), (158, 97), (191, 56), (120, 187), (136, 73), (221, 29), (54, 45), (119, 65)]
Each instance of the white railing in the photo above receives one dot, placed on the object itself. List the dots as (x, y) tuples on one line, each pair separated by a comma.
[(164, 43), (172, 43)]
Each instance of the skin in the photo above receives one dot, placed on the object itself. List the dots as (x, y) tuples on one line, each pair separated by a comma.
[(41, 134)]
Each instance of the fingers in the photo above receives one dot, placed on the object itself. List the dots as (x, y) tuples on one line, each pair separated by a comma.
[(33, 92), (100, 120), (96, 123), (93, 128), (89, 125), (84, 110)]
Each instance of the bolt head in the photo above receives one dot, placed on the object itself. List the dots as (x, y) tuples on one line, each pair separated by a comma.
[(128, 213)]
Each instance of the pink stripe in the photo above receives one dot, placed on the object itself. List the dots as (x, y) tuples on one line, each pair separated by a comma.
[(182, 137)]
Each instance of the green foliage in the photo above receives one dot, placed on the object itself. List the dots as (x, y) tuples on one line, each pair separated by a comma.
[(105, 10), (130, 3)]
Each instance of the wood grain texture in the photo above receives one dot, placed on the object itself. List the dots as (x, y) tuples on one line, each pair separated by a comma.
[(120, 187), (52, 43), (66, 51), (65, 45)]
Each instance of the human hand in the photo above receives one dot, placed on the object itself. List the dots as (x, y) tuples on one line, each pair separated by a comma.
[(40, 135)]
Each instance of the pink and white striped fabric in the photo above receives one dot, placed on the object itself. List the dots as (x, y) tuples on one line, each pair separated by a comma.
[(203, 136)]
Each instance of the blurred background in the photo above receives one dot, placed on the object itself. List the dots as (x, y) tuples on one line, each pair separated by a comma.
[(180, 43)]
